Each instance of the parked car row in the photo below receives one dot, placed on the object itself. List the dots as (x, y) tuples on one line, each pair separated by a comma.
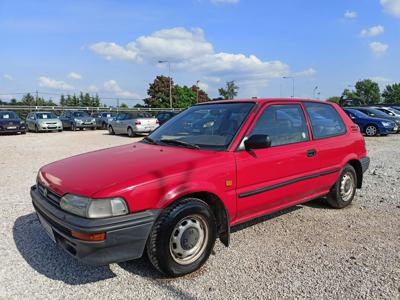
[(375, 120), (130, 123)]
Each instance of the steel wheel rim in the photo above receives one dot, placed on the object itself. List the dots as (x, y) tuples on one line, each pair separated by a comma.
[(110, 130), (188, 240), (347, 186), (130, 132), (371, 130)]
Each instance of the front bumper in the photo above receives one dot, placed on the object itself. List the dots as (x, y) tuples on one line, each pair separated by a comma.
[(365, 163), (12, 128), (50, 127), (85, 125), (126, 236)]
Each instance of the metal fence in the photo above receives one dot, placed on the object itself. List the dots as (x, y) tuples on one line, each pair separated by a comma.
[(89, 109)]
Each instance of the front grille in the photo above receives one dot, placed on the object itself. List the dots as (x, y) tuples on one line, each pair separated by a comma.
[(50, 196)]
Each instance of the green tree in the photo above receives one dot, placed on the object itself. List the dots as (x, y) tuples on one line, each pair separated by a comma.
[(158, 92), (185, 97), (63, 101), (334, 99), (230, 90), (96, 101), (28, 99), (368, 90), (349, 94), (123, 105), (391, 94)]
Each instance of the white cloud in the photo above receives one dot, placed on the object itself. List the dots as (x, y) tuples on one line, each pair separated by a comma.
[(203, 86), (372, 31), (350, 14), (54, 84), (8, 77), (381, 79), (74, 75), (378, 48), (113, 86), (306, 73), (391, 7), (224, 1), (189, 51), (93, 88)]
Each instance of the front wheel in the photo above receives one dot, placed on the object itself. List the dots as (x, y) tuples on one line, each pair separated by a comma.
[(342, 193), (371, 130), (111, 130), (182, 238), (73, 127)]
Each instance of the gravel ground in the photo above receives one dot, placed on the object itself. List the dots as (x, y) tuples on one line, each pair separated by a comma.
[(308, 251)]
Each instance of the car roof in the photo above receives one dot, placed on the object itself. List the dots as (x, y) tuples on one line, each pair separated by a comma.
[(266, 100)]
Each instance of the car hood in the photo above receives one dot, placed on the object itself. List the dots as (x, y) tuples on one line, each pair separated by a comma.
[(10, 121), (92, 172)]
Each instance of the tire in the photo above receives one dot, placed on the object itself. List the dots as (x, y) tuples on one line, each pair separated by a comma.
[(342, 193), (130, 132), (60, 130), (23, 132), (111, 130), (371, 130), (36, 129), (93, 128), (182, 238), (73, 127), (104, 125)]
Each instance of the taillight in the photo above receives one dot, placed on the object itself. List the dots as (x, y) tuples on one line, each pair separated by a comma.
[(157, 122), (138, 123)]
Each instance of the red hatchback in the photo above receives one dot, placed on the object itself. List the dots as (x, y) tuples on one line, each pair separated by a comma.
[(213, 166)]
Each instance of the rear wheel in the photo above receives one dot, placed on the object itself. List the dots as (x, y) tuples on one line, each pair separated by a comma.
[(111, 130), (182, 238), (371, 130), (342, 193), (130, 132)]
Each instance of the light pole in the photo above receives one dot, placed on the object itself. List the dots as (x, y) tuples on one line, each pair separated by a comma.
[(197, 91), (290, 77), (170, 79)]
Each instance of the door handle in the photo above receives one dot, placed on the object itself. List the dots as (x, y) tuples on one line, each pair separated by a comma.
[(311, 153)]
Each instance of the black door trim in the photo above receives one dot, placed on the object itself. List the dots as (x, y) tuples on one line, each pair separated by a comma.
[(282, 184)]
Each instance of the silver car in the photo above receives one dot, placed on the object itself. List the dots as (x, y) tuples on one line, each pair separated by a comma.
[(43, 121), (133, 123)]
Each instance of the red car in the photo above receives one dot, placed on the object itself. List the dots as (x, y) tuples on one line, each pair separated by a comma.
[(179, 189)]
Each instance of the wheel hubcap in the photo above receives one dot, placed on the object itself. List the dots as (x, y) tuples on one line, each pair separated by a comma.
[(188, 239), (347, 186), (371, 130)]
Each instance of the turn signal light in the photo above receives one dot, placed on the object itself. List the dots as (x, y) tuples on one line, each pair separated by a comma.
[(91, 237)]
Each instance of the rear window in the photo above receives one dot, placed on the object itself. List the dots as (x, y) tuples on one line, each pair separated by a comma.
[(325, 120)]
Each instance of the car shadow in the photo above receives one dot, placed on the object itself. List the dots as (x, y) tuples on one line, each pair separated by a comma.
[(46, 258)]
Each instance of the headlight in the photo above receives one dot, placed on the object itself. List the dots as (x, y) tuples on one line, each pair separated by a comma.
[(93, 120), (386, 124), (94, 208), (21, 122), (397, 122)]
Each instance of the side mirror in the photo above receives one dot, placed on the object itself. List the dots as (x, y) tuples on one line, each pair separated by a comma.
[(257, 141)]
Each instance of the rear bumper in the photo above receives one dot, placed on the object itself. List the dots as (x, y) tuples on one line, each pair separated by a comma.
[(365, 163), (126, 236)]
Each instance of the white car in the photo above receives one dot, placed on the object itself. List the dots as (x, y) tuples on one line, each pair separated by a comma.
[(132, 123), (389, 110)]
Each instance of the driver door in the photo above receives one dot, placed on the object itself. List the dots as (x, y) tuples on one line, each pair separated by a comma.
[(269, 179)]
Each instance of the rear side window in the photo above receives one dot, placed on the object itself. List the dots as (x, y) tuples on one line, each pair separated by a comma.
[(284, 124), (325, 120)]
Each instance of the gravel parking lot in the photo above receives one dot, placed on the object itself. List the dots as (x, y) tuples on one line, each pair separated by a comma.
[(309, 251)]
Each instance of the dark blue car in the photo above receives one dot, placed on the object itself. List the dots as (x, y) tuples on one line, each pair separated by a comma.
[(369, 125)]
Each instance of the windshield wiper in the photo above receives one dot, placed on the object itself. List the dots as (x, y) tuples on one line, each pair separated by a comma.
[(180, 143), (150, 141)]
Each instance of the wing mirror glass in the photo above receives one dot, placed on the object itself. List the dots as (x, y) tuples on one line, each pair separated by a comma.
[(257, 141)]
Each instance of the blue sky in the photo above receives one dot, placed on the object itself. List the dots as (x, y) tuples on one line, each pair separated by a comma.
[(112, 47)]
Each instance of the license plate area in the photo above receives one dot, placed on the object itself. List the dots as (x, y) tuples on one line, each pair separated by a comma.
[(12, 127), (47, 228)]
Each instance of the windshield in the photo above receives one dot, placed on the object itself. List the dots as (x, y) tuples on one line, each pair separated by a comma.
[(80, 114), (208, 126), (377, 113), (8, 115), (45, 116), (357, 113)]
